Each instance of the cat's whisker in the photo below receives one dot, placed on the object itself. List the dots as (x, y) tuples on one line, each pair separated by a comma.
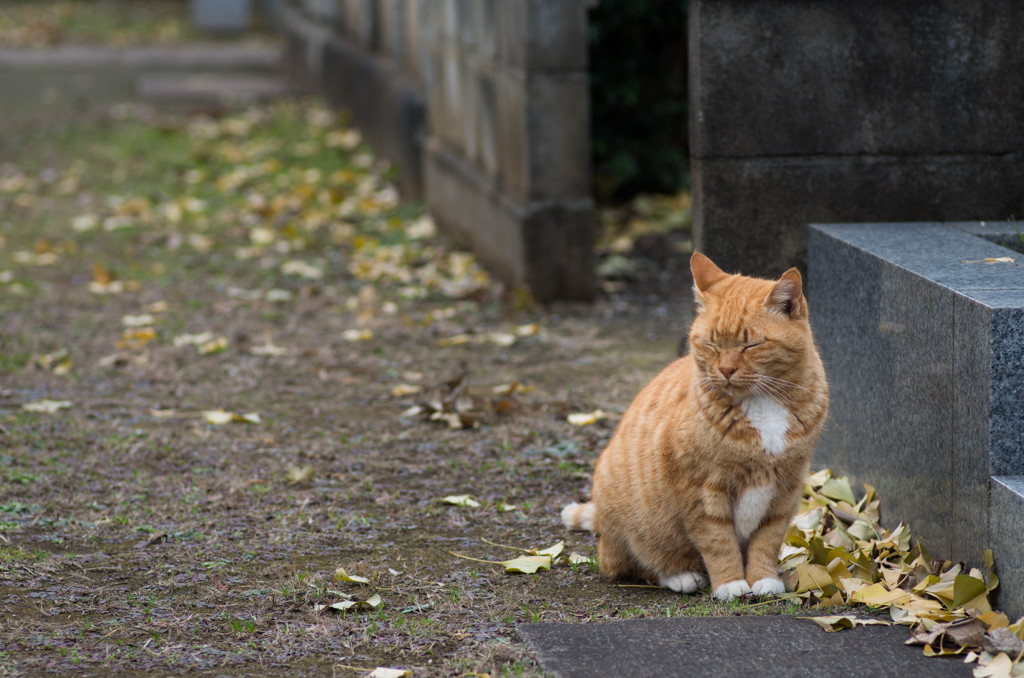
[(785, 383), (777, 393), (763, 390)]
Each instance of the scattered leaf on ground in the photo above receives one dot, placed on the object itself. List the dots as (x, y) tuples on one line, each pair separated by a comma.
[(845, 621), (461, 500), (48, 406), (585, 418), (341, 575)]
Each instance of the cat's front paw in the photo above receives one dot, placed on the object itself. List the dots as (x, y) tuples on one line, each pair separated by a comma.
[(769, 586), (684, 582), (732, 590)]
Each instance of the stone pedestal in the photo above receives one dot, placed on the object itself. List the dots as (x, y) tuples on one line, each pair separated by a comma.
[(923, 344)]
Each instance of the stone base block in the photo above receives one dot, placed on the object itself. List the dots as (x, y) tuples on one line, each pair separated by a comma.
[(1006, 525), (923, 343), (545, 247), (387, 108), (750, 213)]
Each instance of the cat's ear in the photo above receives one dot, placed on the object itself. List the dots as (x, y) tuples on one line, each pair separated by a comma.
[(787, 297), (705, 273)]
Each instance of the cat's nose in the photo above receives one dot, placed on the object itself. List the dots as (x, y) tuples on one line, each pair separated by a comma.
[(727, 372)]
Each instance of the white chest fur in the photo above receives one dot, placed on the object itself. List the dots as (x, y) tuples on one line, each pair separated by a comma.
[(770, 419), (750, 510)]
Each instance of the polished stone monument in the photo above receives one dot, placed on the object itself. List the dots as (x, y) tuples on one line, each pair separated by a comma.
[(921, 327)]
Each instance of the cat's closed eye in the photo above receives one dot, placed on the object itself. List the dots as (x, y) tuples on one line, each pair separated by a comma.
[(750, 346)]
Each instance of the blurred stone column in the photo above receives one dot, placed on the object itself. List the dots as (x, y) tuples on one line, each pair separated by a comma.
[(508, 148)]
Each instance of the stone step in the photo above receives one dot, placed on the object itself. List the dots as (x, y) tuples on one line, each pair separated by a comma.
[(922, 336), (200, 89), (1006, 530), (85, 58), (64, 82)]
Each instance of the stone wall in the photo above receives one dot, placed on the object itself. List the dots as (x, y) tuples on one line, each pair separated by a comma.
[(483, 106), (849, 111)]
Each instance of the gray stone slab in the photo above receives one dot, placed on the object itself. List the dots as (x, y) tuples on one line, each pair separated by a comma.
[(773, 647), (888, 352), (835, 77), (208, 57), (946, 256), (387, 107), (1005, 233), (191, 89), (546, 247), (752, 214), (925, 356), (1006, 525), (222, 16)]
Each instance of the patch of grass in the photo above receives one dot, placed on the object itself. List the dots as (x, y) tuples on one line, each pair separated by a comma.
[(13, 362), (37, 23), (17, 475), (16, 555)]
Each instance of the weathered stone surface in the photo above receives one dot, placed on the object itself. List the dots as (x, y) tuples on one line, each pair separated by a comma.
[(841, 78), (924, 347), (545, 247), (500, 91), (1006, 522), (751, 214), (203, 89), (543, 35), (388, 108), (64, 81), (222, 16), (779, 647), (852, 112)]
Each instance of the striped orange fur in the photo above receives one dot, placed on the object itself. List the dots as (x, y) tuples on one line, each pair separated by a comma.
[(705, 469)]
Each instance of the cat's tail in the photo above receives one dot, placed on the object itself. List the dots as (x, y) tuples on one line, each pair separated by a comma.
[(579, 516)]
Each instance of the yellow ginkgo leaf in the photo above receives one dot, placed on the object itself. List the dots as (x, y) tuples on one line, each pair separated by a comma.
[(552, 551), (217, 345), (384, 672), (136, 338), (341, 575), (527, 564), (585, 418), (579, 559), (300, 474), (877, 595), (461, 500), (47, 406), (143, 320), (357, 335), (833, 623), (405, 390)]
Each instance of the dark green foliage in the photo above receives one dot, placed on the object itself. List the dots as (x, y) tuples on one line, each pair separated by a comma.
[(638, 97)]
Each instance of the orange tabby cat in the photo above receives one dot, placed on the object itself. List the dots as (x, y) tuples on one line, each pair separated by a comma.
[(705, 470)]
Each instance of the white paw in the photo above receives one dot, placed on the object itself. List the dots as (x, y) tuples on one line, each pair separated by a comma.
[(732, 590), (684, 582), (769, 586)]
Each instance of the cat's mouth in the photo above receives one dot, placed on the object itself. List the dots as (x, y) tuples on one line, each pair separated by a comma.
[(734, 389)]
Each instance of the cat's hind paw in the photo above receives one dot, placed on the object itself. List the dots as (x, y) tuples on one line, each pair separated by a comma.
[(769, 586), (684, 582), (732, 590)]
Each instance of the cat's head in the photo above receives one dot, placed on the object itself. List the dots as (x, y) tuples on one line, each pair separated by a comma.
[(749, 332)]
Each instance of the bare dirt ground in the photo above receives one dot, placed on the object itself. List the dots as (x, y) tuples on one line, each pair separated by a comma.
[(213, 331)]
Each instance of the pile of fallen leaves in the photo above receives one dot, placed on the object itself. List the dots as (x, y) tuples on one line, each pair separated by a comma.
[(837, 554)]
